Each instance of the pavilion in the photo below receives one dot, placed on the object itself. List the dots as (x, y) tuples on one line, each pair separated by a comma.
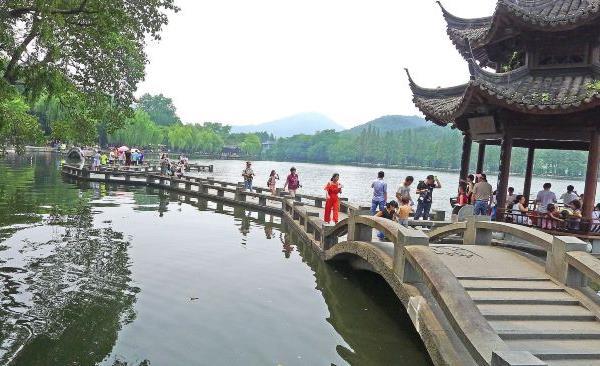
[(534, 82)]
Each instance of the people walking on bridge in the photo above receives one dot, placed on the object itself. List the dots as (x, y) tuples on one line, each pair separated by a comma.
[(272, 182), (248, 175), (482, 195), (112, 157), (332, 205), (425, 192), (164, 164), (292, 182), (544, 198), (404, 189), (388, 212), (379, 193), (569, 196), (103, 159), (96, 161)]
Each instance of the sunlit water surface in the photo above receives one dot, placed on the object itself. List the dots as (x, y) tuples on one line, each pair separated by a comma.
[(106, 275)]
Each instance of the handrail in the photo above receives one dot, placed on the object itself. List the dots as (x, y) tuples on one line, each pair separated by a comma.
[(444, 231), (528, 234)]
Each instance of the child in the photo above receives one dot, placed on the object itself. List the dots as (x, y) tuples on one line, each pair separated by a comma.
[(404, 211), (552, 218)]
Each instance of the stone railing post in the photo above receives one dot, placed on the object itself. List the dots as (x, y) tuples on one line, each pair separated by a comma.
[(401, 266), (240, 195), (359, 232), (475, 236), (262, 201), (295, 214), (556, 260)]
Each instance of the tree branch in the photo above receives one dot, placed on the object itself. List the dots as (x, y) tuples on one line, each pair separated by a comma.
[(10, 73)]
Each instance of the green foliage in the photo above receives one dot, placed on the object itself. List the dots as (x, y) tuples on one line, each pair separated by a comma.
[(17, 127), (90, 52), (251, 145), (139, 130), (160, 109), (428, 147)]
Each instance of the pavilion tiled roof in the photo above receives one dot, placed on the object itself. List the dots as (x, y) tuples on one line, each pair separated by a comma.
[(546, 15), (519, 90)]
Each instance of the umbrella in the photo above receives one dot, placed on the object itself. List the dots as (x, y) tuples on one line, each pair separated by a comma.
[(123, 148)]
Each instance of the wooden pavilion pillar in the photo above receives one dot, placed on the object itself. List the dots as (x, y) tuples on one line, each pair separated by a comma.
[(504, 171), (480, 158), (591, 176), (528, 173), (465, 159)]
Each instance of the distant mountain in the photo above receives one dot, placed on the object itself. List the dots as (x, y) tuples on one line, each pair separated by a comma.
[(390, 124), (303, 123)]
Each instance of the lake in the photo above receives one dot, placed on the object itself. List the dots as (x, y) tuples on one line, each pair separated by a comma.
[(93, 274)]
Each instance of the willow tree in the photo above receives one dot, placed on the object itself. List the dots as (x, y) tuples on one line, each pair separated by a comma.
[(91, 48)]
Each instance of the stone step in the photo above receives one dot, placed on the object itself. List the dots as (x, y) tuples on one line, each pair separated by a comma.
[(571, 362), (558, 349), (535, 312), (548, 334), (519, 295), (510, 284), (520, 279), (533, 326), (526, 301), (506, 288)]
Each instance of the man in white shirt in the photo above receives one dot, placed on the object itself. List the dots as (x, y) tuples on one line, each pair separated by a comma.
[(544, 198), (404, 189), (569, 196)]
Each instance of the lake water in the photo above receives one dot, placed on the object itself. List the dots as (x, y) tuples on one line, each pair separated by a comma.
[(357, 180), (107, 275)]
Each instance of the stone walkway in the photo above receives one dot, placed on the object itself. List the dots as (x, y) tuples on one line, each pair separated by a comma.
[(528, 310)]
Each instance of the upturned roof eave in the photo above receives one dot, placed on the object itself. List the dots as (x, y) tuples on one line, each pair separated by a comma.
[(487, 27)]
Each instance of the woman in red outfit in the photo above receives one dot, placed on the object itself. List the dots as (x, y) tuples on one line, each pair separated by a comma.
[(333, 188)]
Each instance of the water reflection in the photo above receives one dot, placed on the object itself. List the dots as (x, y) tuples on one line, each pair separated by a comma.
[(70, 296), (361, 305), (96, 274)]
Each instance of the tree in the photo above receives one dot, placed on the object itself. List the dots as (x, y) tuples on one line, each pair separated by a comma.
[(251, 145), (91, 47), (160, 109), (17, 127)]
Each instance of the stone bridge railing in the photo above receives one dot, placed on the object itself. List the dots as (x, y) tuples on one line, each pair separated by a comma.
[(567, 257), (415, 264)]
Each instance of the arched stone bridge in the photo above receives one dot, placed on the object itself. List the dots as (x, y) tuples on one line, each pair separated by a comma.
[(473, 302)]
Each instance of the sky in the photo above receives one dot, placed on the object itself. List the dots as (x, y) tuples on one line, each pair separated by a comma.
[(247, 62)]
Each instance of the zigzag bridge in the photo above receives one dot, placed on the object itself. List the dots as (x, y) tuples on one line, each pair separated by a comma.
[(472, 297)]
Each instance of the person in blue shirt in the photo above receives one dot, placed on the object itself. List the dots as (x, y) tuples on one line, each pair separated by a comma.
[(379, 193)]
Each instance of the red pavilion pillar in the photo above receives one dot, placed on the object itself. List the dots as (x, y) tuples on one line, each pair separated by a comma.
[(480, 158), (591, 177), (465, 159), (528, 173), (504, 172)]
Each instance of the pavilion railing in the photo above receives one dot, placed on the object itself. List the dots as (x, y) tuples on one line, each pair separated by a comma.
[(543, 221)]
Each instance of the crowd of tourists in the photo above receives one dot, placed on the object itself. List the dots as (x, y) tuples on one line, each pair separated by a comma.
[(399, 210), (173, 167), (117, 156), (545, 211)]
